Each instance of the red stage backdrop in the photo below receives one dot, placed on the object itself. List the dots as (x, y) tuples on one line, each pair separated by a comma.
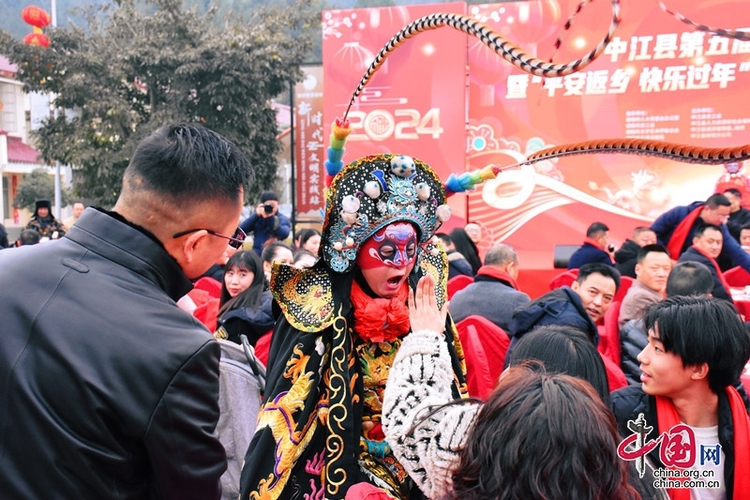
[(659, 79)]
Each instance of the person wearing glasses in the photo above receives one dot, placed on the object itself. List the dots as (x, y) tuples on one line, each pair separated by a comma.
[(109, 390), (675, 229), (234, 243)]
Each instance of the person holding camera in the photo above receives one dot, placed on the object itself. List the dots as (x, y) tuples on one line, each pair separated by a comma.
[(267, 224)]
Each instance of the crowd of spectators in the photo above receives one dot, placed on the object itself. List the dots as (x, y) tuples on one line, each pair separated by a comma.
[(646, 335)]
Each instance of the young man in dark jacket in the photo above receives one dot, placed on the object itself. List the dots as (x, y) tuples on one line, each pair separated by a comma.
[(686, 415), (109, 390)]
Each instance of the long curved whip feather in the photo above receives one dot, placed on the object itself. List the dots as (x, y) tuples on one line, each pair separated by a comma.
[(740, 35), (500, 45), (673, 151), (643, 147), (567, 25)]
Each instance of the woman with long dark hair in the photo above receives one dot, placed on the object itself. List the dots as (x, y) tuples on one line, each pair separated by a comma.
[(245, 303), (309, 240), (466, 247), (275, 251), (531, 440)]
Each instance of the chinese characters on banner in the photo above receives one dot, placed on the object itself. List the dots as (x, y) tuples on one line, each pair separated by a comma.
[(657, 80), (309, 145)]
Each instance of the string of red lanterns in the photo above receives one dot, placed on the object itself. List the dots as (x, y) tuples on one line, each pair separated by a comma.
[(38, 18)]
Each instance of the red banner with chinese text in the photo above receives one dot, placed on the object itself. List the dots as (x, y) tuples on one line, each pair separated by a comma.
[(309, 145), (659, 78)]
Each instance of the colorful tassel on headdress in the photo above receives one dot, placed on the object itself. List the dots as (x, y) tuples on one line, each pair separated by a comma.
[(340, 130), (468, 180)]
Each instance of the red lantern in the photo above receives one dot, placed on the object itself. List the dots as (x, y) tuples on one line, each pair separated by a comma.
[(36, 16), (39, 39)]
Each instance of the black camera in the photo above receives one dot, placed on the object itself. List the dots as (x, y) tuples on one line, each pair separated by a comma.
[(268, 208)]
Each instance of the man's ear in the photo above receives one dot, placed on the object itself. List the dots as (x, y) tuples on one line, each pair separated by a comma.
[(575, 286), (187, 245), (699, 372)]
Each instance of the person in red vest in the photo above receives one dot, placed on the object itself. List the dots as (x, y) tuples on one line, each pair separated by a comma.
[(675, 229)]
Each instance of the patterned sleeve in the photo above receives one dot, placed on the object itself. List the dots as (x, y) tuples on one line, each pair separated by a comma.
[(419, 381)]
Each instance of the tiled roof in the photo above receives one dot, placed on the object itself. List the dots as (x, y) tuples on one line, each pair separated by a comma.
[(18, 152)]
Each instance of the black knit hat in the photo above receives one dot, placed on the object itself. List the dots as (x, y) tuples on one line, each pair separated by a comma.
[(268, 196)]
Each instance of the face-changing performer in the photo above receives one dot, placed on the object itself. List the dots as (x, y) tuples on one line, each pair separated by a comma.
[(319, 430)]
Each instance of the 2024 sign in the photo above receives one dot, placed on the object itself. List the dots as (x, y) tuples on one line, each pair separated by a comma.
[(403, 124)]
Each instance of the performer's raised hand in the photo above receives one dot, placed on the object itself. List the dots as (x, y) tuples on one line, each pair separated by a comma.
[(424, 313)]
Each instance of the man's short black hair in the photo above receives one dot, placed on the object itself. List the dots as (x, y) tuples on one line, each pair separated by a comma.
[(702, 228), (597, 267), (268, 196), (645, 250), (188, 163), (29, 237), (702, 330), (744, 226), (445, 238), (641, 229), (733, 192), (596, 228), (689, 278), (717, 200)]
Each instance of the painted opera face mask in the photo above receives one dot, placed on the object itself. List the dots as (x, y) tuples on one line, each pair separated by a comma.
[(388, 257)]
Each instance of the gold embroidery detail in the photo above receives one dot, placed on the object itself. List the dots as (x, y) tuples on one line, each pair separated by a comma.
[(437, 267), (337, 411), (221, 333), (304, 296)]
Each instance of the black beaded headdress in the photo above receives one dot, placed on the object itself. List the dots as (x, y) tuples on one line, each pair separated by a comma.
[(375, 191)]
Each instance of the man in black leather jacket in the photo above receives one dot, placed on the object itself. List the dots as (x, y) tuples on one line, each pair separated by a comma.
[(109, 390)]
